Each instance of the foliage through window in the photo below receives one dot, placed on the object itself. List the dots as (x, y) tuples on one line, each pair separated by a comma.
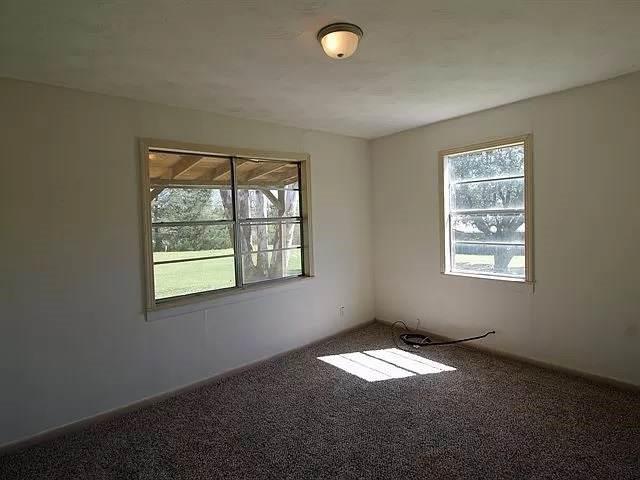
[(221, 222), (486, 211)]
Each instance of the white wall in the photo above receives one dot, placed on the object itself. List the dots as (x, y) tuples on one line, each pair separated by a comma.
[(585, 311), (73, 338)]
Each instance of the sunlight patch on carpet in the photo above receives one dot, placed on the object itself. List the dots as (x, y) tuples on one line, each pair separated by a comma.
[(377, 365)]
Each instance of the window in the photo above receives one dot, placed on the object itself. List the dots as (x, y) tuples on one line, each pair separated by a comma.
[(220, 221), (486, 210)]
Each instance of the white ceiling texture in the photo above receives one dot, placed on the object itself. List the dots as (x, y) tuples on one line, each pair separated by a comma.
[(420, 61)]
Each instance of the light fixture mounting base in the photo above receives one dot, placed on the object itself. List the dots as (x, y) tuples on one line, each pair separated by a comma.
[(339, 27)]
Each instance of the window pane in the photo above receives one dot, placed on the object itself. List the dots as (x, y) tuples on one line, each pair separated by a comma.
[(294, 262), (269, 236), (507, 228), (178, 243), (499, 260), (174, 279), (266, 203), (190, 204), (258, 267), (490, 194), (166, 166), (492, 163), (273, 174)]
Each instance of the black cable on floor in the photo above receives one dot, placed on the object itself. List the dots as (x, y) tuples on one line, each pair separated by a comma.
[(417, 340)]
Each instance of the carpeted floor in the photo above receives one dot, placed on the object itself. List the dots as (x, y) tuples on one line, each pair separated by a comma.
[(297, 417)]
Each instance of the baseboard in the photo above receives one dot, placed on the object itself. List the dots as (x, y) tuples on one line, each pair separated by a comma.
[(592, 377), (85, 422)]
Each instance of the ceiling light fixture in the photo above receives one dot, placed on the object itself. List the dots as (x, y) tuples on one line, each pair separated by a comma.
[(340, 40)]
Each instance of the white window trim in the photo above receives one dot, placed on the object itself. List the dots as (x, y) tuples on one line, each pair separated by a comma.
[(527, 140), (210, 298)]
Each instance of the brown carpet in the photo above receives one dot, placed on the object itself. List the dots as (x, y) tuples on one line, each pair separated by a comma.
[(297, 417)]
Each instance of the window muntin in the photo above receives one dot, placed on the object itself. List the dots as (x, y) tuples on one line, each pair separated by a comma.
[(221, 222), (486, 211)]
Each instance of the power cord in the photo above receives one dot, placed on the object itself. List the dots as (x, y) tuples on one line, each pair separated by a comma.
[(417, 340)]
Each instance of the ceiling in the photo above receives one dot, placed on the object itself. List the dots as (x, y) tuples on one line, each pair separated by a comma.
[(420, 61)]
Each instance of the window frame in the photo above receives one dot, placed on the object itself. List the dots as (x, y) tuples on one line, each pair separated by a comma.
[(147, 145), (444, 213)]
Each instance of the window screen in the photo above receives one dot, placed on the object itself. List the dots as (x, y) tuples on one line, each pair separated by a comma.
[(222, 222), (485, 212)]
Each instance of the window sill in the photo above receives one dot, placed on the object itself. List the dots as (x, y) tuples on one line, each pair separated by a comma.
[(511, 282), (206, 301)]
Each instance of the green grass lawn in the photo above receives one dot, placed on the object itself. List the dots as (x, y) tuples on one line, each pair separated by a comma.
[(164, 256), (174, 279), (484, 263), (516, 262)]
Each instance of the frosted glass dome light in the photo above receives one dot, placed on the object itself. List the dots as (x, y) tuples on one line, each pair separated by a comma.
[(340, 40)]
